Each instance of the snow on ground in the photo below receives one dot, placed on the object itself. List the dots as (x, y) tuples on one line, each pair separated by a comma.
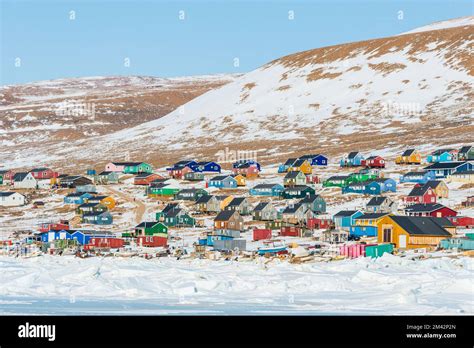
[(388, 285)]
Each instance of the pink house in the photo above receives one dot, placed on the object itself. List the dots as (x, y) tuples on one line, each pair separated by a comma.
[(114, 167)]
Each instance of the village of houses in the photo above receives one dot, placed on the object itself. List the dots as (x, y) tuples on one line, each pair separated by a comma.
[(310, 208)]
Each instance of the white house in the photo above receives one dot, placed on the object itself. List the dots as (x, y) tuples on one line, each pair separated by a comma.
[(24, 181), (11, 199), (43, 183)]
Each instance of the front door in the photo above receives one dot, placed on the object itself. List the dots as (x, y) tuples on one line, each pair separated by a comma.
[(402, 241), (387, 235)]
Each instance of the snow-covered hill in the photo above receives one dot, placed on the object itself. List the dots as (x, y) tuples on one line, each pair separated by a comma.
[(390, 92)]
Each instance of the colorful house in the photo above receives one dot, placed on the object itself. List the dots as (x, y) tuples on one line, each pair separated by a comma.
[(224, 201), (366, 225), (241, 204), (43, 173), (439, 187), (91, 208), (444, 169), (174, 216), (442, 155), (192, 194), (152, 228), (98, 218), (74, 181), (466, 153), (129, 167), (84, 237), (466, 177), (247, 161), (6, 177), (372, 187), (337, 181), (365, 174), (381, 204), (77, 198), (345, 219), (299, 191), (106, 177), (283, 168), (420, 194), (146, 178), (315, 203), (265, 211), (316, 160), (429, 209), (194, 176), (51, 236), (293, 178), (301, 165), (162, 189), (241, 180), (410, 156), (373, 162), (409, 232), (179, 169), (296, 213), (353, 159), (208, 204), (228, 220), (418, 177), (223, 181), (250, 171), (205, 167), (108, 201), (269, 190)]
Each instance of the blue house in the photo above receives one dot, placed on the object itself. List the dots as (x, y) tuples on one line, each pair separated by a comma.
[(238, 163), (366, 225), (273, 190), (372, 187), (345, 218), (223, 181), (97, 218), (442, 155), (316, 160), (353, 159), (418, 177), (283, 168), (50, 236), (84, 236), (443, 169), (209, 167), (77, 198)]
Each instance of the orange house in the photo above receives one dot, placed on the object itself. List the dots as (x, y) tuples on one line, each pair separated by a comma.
[(240, 179), (410, 156), (301, 165), (146, 178)]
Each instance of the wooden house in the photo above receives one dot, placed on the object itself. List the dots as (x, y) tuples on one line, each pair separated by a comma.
[(366, 224), (152, 228), (443, 155), (208, 204), (420, 194), (105, 178), (229, 220), (191, 194), (129, 167), (51, 236), (97, 218), (444, 169), (89, 188), (381, 204), (353, 159), (439, 187), (315, 203), (194, 176), (108, 201), (410, 156), (205, 167), (91, 208), (344, 219), (429, 209), (293, 178), (421, 177), (373, 162), (315, 160), (466, 153), (409, 232), (162, 189), (283, 168), (43, 173), (223, 181), (269, 190), (6, 177), (179, 169), (247, 161), (84, 237), (152, 241), (146, 178), (24, 180), (77, 198), (301, 165), (175, 216), (299, 191), (466, 177), (265, 211), (224, 201), (73, 181), (250, 171), (337, 181), (296, 213), (11, 199), (372, 187), (241, 204), (241, 180)]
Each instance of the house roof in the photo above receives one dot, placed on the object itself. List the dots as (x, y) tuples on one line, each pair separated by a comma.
[(293, 174), (338, 177), (40, 169), (20, 176), (376, 201), (433, 183), (422, 173), (220, 177), (441, 151), (346, 213), (94, 233), (425, 207), (175, 212), (408, 152), (290, 161), (298, 162), (225, 215), (147, 224), (418, 191), (143, 175), (420, 225), (236, 201), (98, 198), (468, 172), (95, 213), (6, 194), (372, 157), (191, 190), (309, 198), (352, 154), (264, 186), (77, 194), (170, 206), (3, 171), (127, 164), (87, 205), (222, 197), (310, 156), (204, 198), (371, 216), (465, 149), (298, 187), (444, 165), (292, 208), (105, 172), (260, 206)]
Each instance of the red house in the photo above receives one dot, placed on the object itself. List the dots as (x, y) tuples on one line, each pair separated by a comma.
[(430, 209), (43, 173), (106, 242), (62, 225), (462, 221), (291, 231), (312, 179), (373, 162), (152, 241), (247, 170), (421, 194), (319, 223), (7, 176), (146, 178), (178, 173), (262, 233)]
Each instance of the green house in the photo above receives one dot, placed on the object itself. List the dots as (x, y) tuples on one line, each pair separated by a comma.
[(192, 194), (337, 181), (299, 191), (151, 229), (162, 189), (137, 168), (362, 176), (1, 179), (174, 216)]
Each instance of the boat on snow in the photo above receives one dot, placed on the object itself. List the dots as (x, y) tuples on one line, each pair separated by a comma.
[(273, 247)]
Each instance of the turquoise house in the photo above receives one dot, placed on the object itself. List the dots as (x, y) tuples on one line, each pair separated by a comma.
[(271, 190)]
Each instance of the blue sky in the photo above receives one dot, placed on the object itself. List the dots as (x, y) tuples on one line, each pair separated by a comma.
[(41, 36)]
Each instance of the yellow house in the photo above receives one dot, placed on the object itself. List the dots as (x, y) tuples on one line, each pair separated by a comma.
[(240, 179), (224, 201), (466, 177), (410, 156), (439, 187), (301, 165), (108, 201), (411, 232)]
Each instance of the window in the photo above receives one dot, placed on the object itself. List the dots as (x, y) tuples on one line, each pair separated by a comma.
[(387, 235)]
